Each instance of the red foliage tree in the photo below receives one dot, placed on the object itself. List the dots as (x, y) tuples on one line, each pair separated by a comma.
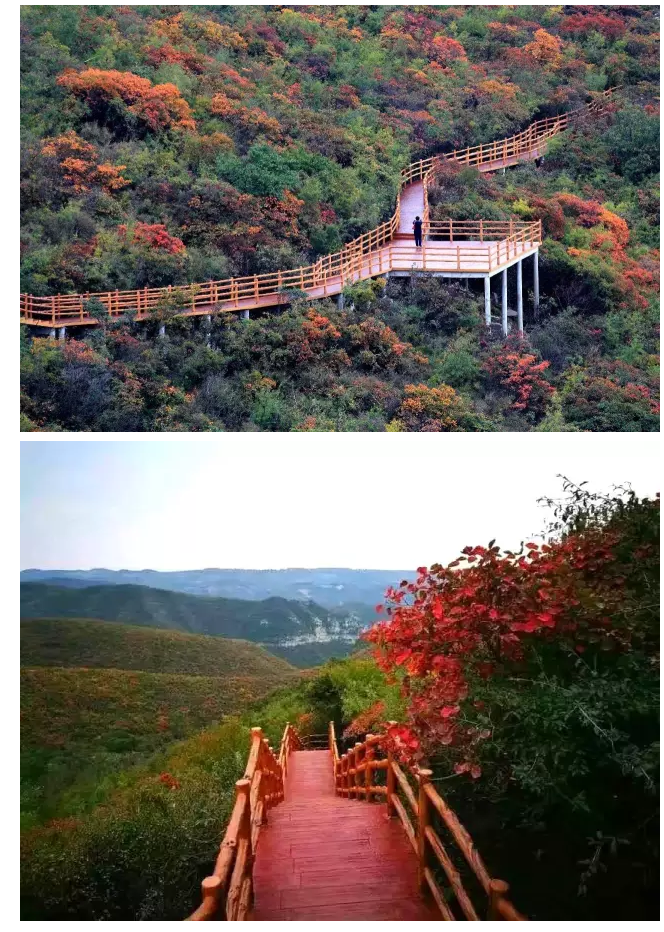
[(457, 625), (77, 161), (517, 370), (153, 235), (160, 106)]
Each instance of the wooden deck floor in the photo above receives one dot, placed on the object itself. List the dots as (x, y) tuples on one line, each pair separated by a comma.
[(327, 858)]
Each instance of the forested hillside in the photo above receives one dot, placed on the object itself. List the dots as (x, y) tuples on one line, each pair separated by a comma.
[(98, 698), (173, 145)]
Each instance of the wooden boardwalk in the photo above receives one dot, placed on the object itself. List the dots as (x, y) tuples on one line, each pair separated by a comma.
[(324, 857), (313, 835), (451, 249)]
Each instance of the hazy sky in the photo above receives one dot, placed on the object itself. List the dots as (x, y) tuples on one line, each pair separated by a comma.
[(392, 501)]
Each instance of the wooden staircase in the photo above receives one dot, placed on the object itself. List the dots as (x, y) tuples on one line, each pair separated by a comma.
[(451, 248), (321, 855)]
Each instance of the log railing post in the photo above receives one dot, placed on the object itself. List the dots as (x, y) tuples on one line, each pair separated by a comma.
[(498, 890), (368, 773), (357, 776), (423, 820), (391, 780), (243, 859)]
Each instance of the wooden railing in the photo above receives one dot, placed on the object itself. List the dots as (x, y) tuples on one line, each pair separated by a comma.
[(411, 791), (361, 258), (228, 892)]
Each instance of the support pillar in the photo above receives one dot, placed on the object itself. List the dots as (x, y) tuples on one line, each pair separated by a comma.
[(519, 297), (62, 333), (52, 333), (536, 282), (162, 330), (208, 327), (487, 300), (504, 308), (245, 315), (341, 301)]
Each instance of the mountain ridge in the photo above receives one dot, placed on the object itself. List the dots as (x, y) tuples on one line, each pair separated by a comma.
[(330, 587), (287, 628)]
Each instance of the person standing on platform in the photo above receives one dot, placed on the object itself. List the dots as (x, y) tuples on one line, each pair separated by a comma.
[(417, 230)]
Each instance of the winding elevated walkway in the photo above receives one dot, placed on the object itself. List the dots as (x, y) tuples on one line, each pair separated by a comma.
[(451, 248)]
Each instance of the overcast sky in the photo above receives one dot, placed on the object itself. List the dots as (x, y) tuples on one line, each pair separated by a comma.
[(392, 501)]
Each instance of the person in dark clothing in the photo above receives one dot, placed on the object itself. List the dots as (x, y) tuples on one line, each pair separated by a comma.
[(417, 230)]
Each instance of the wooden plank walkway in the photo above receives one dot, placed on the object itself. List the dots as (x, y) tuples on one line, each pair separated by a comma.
[(387, 249), (327, 858)]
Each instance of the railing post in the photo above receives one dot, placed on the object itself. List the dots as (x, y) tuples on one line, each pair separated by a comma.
[(356, 775), (391, 782), (368, 773), (498, 890), (423, 819), (519, 296), (481, 231), (451, 234), (242, 788)]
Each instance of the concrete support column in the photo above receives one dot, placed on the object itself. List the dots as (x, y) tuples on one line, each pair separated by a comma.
[(487, 300), (208, 327), (52, 333), (245, 315), (536, 281), (162, 330), (62, 333), (341, 301), (519, 296), (504, 308)]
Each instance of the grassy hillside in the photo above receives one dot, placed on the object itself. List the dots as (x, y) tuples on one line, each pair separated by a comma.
[(98, 698), (267, 621), (63, 642), (81, 727)]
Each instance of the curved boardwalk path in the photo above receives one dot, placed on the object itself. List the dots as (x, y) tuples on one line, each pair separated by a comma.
[(453, 249), (324, 857)]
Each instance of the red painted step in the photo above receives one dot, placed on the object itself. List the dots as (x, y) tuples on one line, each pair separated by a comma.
[(328, 858)]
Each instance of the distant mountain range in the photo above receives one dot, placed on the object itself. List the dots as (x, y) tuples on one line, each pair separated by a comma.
[(330, 588), (304, 633)]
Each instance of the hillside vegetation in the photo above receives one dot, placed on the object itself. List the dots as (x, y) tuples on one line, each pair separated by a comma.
[(99, 698), (166, 147), (63, 642)]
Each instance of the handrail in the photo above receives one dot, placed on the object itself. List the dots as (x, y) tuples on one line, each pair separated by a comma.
[(332, 743), (354, 778), (341, 267), (228, 892)]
